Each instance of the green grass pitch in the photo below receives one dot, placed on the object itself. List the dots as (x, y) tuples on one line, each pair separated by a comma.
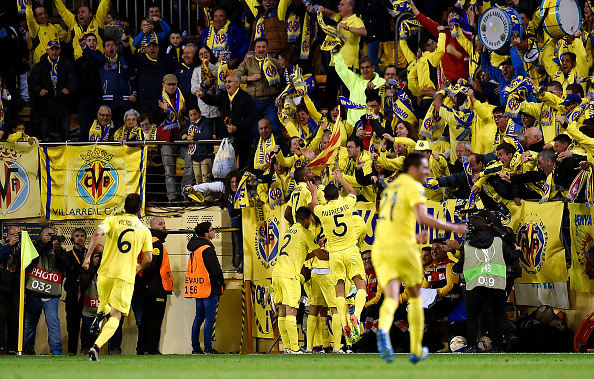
[(355, 366)]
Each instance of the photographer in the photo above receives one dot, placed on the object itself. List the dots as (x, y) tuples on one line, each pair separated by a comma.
[(10, 262), (74, 302), (44, 288), (489, 259)]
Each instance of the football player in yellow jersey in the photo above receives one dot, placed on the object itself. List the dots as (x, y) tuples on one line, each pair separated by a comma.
[(298, 245), (300, 197), (127, 237), (345, 260), (396, 255)]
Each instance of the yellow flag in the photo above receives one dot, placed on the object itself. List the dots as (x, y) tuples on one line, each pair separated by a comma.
[(582, 246), (90, 181), (28, 251), (538, 233)]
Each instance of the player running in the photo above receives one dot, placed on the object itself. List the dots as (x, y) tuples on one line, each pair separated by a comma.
[(396, 256), (127, 237)]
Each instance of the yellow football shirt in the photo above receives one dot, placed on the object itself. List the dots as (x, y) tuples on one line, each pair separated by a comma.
[(337, 221), (296, 243), (300, 197), (126, 238), (397, 220)]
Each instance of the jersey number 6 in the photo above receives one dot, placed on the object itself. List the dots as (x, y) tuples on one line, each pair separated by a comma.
[(124, 246)]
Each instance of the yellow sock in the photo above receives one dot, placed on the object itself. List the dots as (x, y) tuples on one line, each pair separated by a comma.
[(341, 307), (318, 336), (386, 313), (360, 298), (312, 326), (325, 332), (282, 329), (416, 322), (291, 323), (108, 330), (337, 330)]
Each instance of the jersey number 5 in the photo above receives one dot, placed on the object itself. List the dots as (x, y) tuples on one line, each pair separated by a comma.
[(124, 246), (339, 225)]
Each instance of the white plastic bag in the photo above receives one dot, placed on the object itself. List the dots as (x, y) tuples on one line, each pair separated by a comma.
[(225, 160)]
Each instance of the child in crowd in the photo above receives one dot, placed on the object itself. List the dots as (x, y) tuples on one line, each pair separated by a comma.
[(18, 134), (199, 128), (175, 47)]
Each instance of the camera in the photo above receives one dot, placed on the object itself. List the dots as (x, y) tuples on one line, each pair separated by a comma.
[(55, 237)]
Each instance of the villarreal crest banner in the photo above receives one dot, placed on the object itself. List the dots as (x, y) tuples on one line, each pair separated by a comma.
[(538, 231), (19, 181), (90, 181), (263, 230), (582, 248)]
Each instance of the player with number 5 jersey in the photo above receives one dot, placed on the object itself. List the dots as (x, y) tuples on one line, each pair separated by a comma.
[(127, 237), (345, 259)]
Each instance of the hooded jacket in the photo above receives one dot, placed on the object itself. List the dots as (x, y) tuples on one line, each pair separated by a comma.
[(211, 262)]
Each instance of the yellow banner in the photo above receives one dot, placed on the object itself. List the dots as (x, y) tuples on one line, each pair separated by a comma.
[(261, 240), (538, 232), (90, 181), (264, 316), (582, 248), (19, 181)]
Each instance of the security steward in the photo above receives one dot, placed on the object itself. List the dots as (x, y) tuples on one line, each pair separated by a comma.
[(159, 284), (205, 283)]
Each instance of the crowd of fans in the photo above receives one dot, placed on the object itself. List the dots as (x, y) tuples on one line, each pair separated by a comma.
[(483, 117), (495, 125)]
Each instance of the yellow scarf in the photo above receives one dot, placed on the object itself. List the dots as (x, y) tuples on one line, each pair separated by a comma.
[(98, 134), (173, 110), (218, 41), (222, 70), (148, 39), (293, 27), (259, 29), (307, 36), (263, 150), (128, 134), (269, 70)]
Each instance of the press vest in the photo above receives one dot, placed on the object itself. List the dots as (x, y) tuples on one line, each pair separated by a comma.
[(484, 267), (43, 278), (91, 299), (197, 278)]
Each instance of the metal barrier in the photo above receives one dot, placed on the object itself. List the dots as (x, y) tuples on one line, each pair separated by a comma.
[(175, 12)]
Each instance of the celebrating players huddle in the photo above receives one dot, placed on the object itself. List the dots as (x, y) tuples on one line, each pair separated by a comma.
[(395, 254)]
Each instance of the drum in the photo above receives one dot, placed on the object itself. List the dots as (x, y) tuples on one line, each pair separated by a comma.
[(561, 17), (497, 26)]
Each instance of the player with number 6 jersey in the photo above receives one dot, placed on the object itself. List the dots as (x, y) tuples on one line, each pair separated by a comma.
[(127, 237)]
